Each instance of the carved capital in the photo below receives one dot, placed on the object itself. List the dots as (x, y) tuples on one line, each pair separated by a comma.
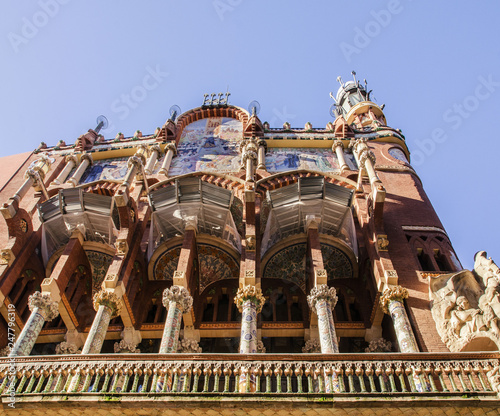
[(67, 348), (71, 158), (135, 161), (7, 256), (108, 299), (189, 346), (180, 296), (87, 156), (48, 308), (126, 347), (382, 242), (312, 346), (398, 293), (251, 293), (155, 148), (364, 155), (262, 143), (121, 247), (322, 292), (170, 146), (337, 143), (249, 154)]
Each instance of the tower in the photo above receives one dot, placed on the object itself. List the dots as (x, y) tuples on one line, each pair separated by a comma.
[(219, 260)]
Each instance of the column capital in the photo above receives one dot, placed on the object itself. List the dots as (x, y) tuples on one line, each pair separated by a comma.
[(322, 292), (364, 155), (155, 148), (180, 296), (251, 293), (337, 143), (71, 158), (135, 161), (394, 293), (108, 299), (170, 146), (87, 156), (262, 142), (48, 308)]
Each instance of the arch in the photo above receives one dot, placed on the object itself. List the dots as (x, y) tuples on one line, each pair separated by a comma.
[(207, 112), (217, 260)]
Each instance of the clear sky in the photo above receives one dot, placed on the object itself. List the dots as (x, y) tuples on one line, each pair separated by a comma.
[(434, 64)]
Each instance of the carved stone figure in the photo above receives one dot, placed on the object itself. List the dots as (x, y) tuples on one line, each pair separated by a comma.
[(466, 307)]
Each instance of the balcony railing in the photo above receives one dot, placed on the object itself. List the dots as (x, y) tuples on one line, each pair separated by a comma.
[(146, 376)]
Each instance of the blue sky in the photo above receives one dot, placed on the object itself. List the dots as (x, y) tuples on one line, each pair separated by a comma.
[(434, 64)]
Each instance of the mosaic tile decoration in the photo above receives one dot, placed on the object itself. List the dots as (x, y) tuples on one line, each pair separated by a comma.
[(99, 262), (106, 169), (289, 264), (337, 264), (166, 264), (209, 144), (398, 154), (215, 264), (323, 160)]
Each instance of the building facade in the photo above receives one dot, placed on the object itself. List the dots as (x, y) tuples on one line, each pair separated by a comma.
[(220, 263)]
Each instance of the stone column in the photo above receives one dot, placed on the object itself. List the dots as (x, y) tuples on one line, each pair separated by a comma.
[(135, 164), (392, 304), (338, 148), (170, 152), (250, 301), (154, 154), (261, 156), (366, 160), (107, 305), (85, 161), (178, 301), (322, 300), (249, 157), (42, 308), (71, 162)]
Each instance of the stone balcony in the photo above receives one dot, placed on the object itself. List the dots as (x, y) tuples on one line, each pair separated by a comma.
[(85, 380)]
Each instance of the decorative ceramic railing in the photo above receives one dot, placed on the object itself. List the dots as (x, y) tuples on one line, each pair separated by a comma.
[(148, 375)]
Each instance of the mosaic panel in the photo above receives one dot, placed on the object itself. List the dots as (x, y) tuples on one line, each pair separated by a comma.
[(323, 160), (166, 264), (99, 262), (398, 154), (208, 145), (106, 169), (289, 264), (215, 265), (337, 264)]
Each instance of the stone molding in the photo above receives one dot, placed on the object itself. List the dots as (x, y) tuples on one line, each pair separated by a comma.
[(48, 308), (180, 296), (322, 292)]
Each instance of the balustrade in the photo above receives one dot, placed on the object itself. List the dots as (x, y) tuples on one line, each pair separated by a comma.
[(348, 374)]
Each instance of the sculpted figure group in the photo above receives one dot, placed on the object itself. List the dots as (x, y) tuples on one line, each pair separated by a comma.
[(466, 306)]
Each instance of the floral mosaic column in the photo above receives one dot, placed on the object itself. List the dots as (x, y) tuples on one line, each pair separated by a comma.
[(322, 300), (42, 308), (178, 301), (392, 304), (107, 305), (250, 301)]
